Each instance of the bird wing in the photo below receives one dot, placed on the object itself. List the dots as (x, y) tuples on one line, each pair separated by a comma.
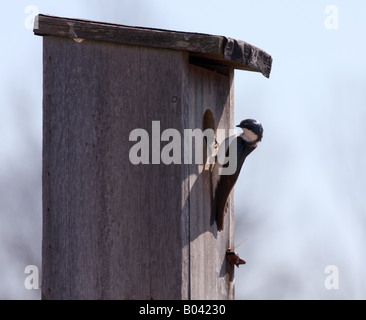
[(222, 153), (223, 184)]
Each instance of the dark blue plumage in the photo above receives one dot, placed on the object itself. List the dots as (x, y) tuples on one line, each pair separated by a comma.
[(244, 144)]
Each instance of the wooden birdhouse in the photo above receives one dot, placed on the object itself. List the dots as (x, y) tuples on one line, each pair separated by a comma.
[(127, 214)]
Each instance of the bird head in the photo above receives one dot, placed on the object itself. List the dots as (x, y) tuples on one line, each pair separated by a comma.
[(252, 130)]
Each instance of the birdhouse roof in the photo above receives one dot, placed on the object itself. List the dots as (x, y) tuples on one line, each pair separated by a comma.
[(206, 49)]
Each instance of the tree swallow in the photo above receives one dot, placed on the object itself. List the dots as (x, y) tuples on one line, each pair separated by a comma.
[(234, 150)]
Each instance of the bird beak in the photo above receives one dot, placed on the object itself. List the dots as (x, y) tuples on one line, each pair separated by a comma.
[(238, 126)]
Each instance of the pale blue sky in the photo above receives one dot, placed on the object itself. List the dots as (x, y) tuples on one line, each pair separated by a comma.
[(299, 200)]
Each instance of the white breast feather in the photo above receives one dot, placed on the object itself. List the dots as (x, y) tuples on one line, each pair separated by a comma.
[(249, 136)]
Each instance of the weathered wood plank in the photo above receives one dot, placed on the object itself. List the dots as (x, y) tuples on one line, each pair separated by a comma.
[(84, 29), (209, 275), (215, 49), (247, 56), (111, 229)]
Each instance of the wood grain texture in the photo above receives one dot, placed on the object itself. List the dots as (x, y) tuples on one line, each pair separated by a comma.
[(247, 56), (210, 278), (84, 29), (111, 229), (208, 49)]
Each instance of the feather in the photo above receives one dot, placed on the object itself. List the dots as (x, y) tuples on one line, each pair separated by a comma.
[(224, 183)]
